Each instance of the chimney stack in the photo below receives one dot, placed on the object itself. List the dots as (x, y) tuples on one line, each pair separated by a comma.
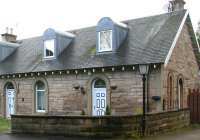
[(176, 5), (9, 37)]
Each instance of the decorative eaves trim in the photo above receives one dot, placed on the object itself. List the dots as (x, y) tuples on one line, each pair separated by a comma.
[(176, 39), (89, 71)]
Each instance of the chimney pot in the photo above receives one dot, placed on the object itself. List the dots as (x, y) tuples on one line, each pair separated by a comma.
[(6, 29), (177, 5), (9, 37), (11, 31)]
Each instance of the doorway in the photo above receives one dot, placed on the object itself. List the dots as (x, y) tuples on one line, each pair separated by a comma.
[(98, 97), (10, 99)]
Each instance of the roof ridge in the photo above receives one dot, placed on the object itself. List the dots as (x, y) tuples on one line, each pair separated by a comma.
[(123, 21), (157, 15), (34, 37)]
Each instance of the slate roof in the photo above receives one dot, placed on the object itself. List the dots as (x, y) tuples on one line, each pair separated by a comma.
[(149, 40)]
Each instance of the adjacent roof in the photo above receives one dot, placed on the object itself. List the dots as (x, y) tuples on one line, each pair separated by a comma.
[(7, 49), (149, 40)]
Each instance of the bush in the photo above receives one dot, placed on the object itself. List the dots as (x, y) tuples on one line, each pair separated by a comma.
[(108, 111), (82, 112)]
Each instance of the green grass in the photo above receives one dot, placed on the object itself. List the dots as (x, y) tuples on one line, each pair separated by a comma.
[(4, 125)]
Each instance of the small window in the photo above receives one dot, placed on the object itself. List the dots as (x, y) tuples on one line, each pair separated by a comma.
[(9, 86), (105, 40), (180, 93), (99, 84), (40, 97), (170, 95), (49, 48)]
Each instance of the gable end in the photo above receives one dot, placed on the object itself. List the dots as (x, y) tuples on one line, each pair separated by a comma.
[(176, 39)]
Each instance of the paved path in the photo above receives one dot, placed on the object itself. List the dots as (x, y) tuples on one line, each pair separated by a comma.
[(186, 135), (34, 137)]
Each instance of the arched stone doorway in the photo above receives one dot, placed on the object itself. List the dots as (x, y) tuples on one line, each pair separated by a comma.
[(99, 94), (10, 94)]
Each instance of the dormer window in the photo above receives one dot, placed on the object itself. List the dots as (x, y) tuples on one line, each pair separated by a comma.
[(105, 40), (55, 42), (110, 35), (49, 48)]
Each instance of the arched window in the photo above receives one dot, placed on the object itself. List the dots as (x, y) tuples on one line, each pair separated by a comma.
[(99, 84), (40, 97), (9, 85), (180, 93), (170, 92)]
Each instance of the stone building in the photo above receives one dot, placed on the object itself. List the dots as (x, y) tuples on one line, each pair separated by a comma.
[(95, 70)]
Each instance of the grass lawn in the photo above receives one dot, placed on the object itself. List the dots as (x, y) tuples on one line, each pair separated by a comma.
[(4, 125)]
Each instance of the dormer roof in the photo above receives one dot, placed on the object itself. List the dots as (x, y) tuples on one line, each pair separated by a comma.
[(107, 23), (51, 33)]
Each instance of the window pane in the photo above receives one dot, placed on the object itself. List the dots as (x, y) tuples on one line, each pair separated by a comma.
[(105, 40), (100, 84), (40, 86), (40, 100), (49, 47), (9, 86)]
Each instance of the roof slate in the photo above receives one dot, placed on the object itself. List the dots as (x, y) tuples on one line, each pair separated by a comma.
[(149, 40)]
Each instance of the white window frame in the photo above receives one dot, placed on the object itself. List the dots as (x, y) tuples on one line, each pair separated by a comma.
[(36, 102), (99, 42), (45, 55)]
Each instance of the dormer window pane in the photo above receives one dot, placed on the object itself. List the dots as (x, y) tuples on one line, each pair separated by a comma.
[(105, 41), (49, 48)]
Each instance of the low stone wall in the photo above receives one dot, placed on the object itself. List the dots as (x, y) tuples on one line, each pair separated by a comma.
[(106, 126), (167, 121)]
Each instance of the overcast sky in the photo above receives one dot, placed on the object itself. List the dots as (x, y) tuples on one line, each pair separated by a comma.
[(31, 17)]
